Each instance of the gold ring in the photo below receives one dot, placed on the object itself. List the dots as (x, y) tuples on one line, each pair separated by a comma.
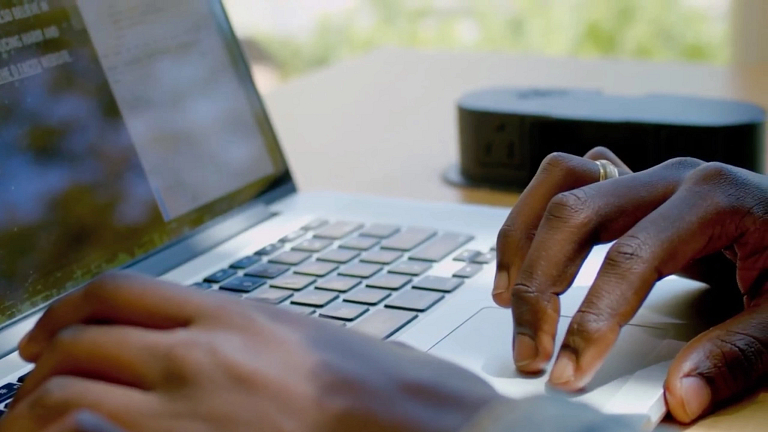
[(608, 170)]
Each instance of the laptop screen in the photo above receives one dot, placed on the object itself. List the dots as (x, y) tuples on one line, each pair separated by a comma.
[(124, 124)]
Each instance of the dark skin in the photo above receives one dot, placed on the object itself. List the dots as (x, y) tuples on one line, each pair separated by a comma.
[(663, 221), (151, 356)]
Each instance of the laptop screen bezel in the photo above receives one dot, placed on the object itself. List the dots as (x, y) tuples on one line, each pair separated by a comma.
[(220, 229)]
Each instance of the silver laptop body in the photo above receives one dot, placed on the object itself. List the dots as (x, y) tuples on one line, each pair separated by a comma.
[(142, 143)]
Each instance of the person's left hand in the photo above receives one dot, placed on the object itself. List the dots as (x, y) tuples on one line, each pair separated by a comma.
[(151, 356)]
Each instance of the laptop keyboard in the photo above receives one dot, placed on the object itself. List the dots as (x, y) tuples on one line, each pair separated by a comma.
[(374, 278), (8, 391)]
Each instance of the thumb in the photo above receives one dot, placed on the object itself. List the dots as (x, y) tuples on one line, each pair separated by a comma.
[(720, 365), (83, 421)]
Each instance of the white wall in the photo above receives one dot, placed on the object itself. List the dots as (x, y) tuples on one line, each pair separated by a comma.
[(750, 31)]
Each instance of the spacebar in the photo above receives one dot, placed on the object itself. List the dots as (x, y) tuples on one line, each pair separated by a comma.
[(384, 323), (441, 247)]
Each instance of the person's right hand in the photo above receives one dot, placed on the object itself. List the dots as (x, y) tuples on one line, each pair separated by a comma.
[(661, 220)]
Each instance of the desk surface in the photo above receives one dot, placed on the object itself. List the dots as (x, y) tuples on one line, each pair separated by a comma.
[(385, 124)]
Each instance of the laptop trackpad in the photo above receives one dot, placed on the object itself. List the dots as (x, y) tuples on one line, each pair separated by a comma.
[(483, 345)]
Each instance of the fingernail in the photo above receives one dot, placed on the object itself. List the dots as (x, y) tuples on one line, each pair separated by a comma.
[(564, 371), (525, 350), (501, 285), (697, 396)]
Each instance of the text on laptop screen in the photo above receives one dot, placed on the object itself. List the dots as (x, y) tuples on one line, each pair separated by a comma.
[(123, 125)]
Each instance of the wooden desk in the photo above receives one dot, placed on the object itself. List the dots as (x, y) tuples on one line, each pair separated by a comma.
[(385, 124)]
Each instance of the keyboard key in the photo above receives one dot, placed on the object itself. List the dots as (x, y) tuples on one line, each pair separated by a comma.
[(381, 257), (313, 245), (408, 239), (341, 256), (415, 300), (266, 270), (269, 250), (270, 296), (315, 224), (333, 321), (467, 255), (360, 270), (445, 244), (292, 237), (316, 268), (23, 378), (246, 262), (410, 268), (344, 311), (468, 271), (220, 276), (389, 281), (243, 284), (293, 282), (380, 231), (338, 284), (314, 298), (202, 286), (338, 230), (441, 284), (290, 258), (383, 323), (8, 391), (367, 296), (301, 310), (360, 243), (485, 258)]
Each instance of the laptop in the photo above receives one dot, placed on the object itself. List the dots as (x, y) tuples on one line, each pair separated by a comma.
[(133, 137)]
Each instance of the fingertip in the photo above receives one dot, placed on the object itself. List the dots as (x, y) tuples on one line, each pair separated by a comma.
[(29, 349), (688, 398), (525, 352)]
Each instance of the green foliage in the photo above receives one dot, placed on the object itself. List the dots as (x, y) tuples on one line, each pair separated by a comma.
[(645, 29)]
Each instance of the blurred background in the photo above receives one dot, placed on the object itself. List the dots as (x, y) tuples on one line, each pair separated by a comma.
[(287, 38)]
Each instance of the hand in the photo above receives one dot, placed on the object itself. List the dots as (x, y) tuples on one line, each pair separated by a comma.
[(150, 356), (662, 219)]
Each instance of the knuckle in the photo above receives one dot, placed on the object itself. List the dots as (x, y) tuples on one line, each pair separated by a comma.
[(714, 177), (185, 356), (556, 161), (587, 324), (743, 357), (526, 298), (572, 207), (685, 164), (628, 251)]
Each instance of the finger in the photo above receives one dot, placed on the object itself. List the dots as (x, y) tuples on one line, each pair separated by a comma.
[(575, 221), (62, 396), (684, 228), (119, 299), (558, 173), (723, 364), (83, 421), (128, 356), (602, 153)]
